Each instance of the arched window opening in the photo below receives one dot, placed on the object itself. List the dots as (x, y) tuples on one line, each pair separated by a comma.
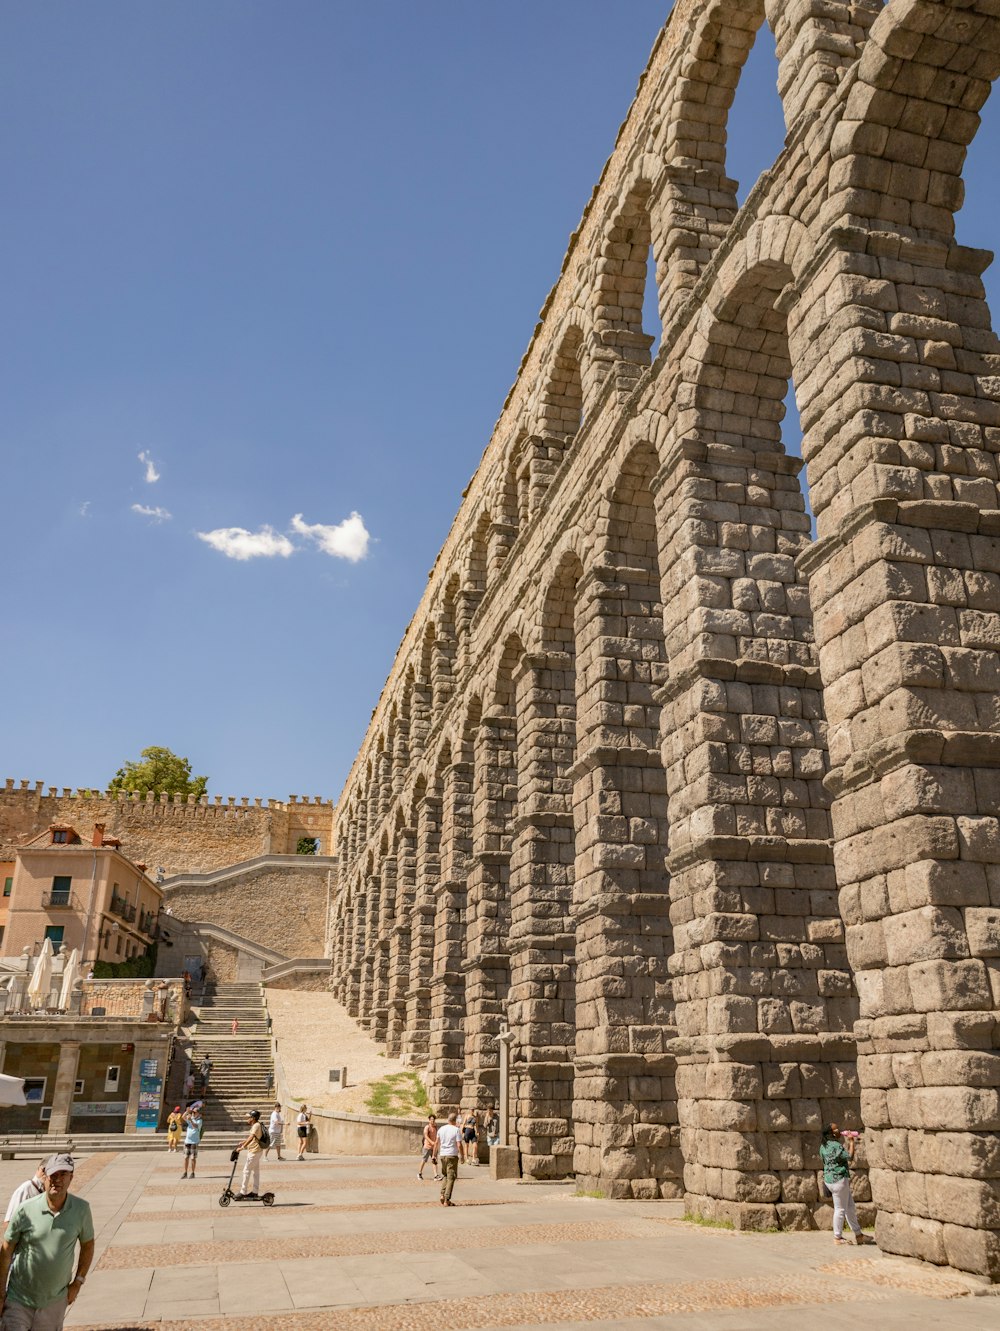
[(652, 322), (562, 397), (755, 129), (976, 220), (479, 555)]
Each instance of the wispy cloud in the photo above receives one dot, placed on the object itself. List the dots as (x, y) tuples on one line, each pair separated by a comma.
[(85, 508), (152, 475), (156, 514), (238, 543), (346, 540)]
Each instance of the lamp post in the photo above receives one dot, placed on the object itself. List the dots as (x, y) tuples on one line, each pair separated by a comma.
[(505, 1040)]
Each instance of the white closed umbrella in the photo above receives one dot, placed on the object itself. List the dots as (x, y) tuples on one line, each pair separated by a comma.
[(70, 978), (11, 1090), (41, 977)]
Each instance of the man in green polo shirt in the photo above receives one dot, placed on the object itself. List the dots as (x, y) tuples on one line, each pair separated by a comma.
[(38, 1254)]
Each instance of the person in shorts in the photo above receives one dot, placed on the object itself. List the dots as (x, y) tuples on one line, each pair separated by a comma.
[(38, 1254), (470, 1136), (276, 1132), (428, 1148), (493, 1126), (193, 1124), (302, 1121)]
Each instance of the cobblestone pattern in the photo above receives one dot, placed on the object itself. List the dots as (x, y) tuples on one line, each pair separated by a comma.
[(541, 1308), (705, 810), (313, 1209), (129, 1256)]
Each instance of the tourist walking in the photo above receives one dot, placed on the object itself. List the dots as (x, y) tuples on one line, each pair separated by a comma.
[(302, 1121), (276, 1132), (206, 1071), (251, 1166), (32, 1187), (189, 1087), (428, 1147), (470, 1136), (236, 1025), (837, 1160), (194, 1123), (492, 1126), (450, 1148), (175, 1121), (37, 1283)]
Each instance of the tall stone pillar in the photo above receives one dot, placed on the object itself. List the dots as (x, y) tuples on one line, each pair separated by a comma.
[(62, 1091), (373, 893), (446, 1049), (387, 908), (905, 585), (359, 943), (763, 996), (542, 936), (399, 940), (487, 964), (625, 1109), (418, 1014)]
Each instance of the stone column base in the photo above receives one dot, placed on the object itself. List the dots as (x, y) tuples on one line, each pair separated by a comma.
[(505, 1162)]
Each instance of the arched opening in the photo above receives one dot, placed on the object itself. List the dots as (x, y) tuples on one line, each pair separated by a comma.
[(755, 126), (446, 1050), (543, 990), (561, 401)]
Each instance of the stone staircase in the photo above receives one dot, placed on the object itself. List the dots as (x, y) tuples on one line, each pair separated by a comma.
[(242, 1075)]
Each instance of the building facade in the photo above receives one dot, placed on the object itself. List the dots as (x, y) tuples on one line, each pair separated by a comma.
[(83, 895)]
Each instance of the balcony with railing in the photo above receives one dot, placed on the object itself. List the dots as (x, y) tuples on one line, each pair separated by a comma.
[(58, 899), (120, 907)]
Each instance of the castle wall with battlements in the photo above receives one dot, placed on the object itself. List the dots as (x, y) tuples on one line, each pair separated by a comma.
[(179, 834)]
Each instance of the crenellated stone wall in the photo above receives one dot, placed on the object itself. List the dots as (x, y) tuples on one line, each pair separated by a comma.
[(705, 810), (183, 835)]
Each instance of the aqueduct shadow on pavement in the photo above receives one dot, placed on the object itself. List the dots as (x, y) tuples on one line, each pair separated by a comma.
[(707, 809)]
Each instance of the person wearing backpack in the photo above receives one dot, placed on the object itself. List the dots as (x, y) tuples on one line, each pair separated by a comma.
[(253, 1143)]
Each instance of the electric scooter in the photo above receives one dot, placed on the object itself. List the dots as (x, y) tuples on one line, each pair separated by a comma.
[(227, 1195)]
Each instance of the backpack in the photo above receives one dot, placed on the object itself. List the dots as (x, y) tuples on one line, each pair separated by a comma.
[(265, 1136)]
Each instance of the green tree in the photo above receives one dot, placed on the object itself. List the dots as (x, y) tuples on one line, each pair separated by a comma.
[(307, 845), (160, 771)]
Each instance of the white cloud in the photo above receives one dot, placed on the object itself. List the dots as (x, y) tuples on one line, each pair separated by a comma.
[(152, 475), (85, 508), (347, 540), (238, 543), (157, 514)]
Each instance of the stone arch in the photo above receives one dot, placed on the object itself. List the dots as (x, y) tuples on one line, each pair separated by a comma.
[(621, 830), (563, 391), (620, 340), (925, 72), (477, 568), (447, 638)]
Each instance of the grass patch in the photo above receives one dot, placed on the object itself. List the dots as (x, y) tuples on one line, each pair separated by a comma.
[(589, 1192), (706, 1223), (400, 1095)]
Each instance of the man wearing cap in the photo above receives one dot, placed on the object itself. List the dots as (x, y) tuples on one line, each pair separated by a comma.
[(37, 1283), (251, 1166)]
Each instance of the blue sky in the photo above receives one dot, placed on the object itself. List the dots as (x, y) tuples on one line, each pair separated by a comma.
[(292, 255)]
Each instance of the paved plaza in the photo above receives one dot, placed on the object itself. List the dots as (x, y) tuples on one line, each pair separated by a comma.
[(361, 1245)]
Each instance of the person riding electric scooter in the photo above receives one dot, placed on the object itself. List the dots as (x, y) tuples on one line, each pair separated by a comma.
[(253, 1143)]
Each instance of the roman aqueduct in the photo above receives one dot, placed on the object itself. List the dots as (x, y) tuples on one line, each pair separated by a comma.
[(705, 809)]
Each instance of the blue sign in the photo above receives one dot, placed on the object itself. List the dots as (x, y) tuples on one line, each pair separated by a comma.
[(148, 1067), (148, 1115)]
